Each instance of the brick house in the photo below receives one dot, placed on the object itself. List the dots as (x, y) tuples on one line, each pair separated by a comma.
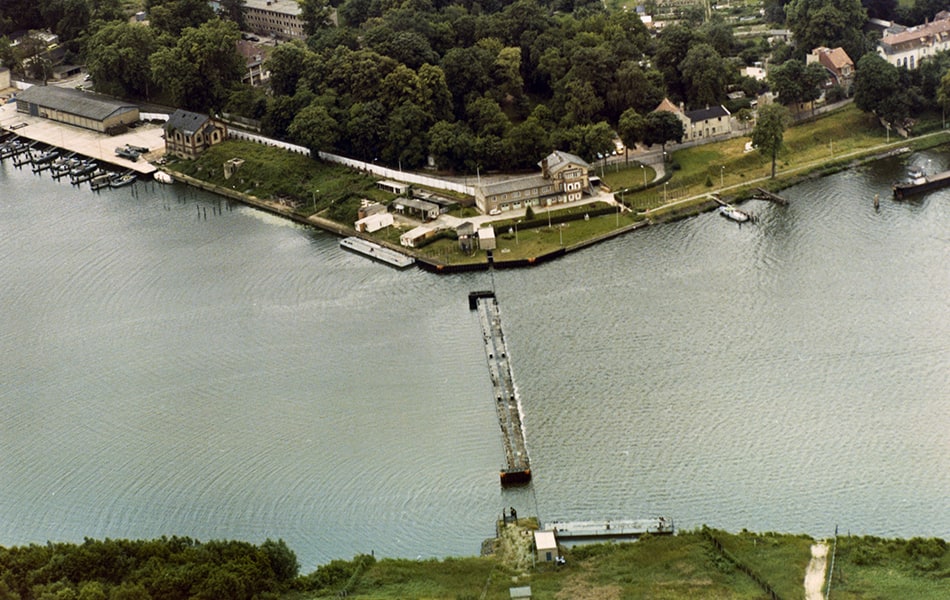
[(188, 134)]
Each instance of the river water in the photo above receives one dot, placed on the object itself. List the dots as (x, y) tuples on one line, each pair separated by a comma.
[(175, 365)]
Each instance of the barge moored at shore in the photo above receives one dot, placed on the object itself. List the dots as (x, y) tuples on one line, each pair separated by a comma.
[(919, 185), (377, 252)]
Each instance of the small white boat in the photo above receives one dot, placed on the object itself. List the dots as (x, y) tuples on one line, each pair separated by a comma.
[(733, 213), (163, 177)]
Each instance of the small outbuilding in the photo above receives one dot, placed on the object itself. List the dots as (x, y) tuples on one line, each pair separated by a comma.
[(417, 236), (426, 211), (486, 238), (374, 222), (545, 544), (393, 187), (466, 234)]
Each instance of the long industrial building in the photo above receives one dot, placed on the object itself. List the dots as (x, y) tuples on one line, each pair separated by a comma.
[(75, 107)]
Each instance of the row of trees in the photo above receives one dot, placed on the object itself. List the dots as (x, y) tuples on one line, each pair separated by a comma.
[(489, 84), (166, 568)]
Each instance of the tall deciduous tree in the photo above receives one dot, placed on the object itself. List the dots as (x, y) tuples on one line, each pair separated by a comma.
[(286, 65), (630, 129), (795, 82), (769, 131), (828, 23), (314, 128), (234, 10), (661, 127), (117, 57), (878, 89), (705, 74), (315, 15), (173, 16), (200, 70)]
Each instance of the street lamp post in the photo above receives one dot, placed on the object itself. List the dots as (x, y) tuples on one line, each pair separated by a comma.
[(722, 173), (643, 168), (665, 186)]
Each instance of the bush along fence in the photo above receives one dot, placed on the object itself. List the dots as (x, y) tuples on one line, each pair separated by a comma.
[(758, 579)]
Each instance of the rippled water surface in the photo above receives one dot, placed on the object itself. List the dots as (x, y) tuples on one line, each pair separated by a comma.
[(172, 365)]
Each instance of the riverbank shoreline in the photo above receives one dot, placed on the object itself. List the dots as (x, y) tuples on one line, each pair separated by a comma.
[(669, 211)]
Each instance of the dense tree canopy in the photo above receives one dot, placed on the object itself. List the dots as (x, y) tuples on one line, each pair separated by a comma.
[(117, 56), (828, 23), (878, 88), (168, 569), (202, 68), (795, 82), (487, 85)]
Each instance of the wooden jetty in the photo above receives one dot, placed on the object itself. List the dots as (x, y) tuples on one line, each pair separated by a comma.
[(579, 532), (764, 194), (507, 405)]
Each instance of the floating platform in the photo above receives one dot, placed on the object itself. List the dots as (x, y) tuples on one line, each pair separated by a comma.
[(507, 405), (377, 252), (579, 532), (919, 185)]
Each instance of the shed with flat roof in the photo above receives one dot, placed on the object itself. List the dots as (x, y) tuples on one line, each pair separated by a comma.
[(545, 544)]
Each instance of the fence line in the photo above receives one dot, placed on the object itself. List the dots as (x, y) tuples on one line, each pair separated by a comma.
[(377, 170), (766, 587)]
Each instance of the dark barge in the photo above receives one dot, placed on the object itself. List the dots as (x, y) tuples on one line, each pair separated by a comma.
[(507, 405), (919, 185)]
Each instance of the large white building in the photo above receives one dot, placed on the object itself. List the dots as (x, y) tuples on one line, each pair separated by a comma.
[(907, 46), (563, 179), (278, 18)]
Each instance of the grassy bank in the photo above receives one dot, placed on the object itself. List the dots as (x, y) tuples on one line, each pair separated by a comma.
[(685, 566), (820, 146)]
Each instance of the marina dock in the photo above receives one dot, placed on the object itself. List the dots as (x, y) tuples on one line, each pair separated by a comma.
[(85, 142), (578, 532), (507, 405)]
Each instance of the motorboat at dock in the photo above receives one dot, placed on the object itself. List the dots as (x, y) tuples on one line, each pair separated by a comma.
[(731, 212), (124, 179)]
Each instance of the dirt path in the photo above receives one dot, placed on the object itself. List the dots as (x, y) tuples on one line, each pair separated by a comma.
[(815, 573)]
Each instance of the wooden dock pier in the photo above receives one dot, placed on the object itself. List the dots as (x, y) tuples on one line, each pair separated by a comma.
[(507, 406), (764, 194)]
